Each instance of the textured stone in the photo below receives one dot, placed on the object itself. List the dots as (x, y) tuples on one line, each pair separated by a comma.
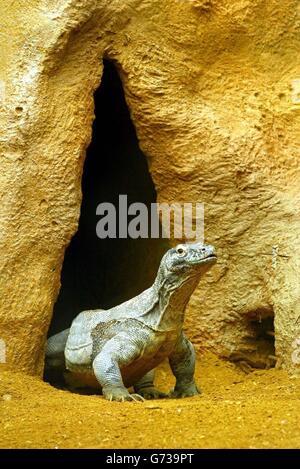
[(212, 90)]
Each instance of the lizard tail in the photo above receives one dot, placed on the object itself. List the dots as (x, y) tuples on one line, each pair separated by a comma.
[(55, 348), (56, 344)]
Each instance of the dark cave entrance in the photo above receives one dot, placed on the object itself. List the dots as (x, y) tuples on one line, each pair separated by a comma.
[(100, 273)]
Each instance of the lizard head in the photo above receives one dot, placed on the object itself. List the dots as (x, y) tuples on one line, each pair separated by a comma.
[(193, 258), (180, 271)]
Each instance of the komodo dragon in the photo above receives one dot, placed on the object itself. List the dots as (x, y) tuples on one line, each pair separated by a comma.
[(122, 346)]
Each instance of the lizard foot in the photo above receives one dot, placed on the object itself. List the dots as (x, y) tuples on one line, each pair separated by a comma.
[(122, 395), (152, 393), (188, 391)]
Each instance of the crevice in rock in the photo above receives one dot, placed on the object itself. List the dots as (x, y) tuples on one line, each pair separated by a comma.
[(100, 273), (258, 348)]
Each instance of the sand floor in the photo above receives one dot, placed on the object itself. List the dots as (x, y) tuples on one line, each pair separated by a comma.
[(236, 410)]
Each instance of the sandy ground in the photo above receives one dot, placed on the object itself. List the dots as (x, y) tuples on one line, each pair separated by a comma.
[(235, 410)]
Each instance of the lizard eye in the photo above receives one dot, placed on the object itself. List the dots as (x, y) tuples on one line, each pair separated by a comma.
[(181, 250)]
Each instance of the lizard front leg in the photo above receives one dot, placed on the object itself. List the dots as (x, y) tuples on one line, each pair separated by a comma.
[(145, 387), (182, 362), (117, 352)]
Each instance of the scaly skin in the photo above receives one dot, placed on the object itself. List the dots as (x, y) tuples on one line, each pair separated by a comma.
[(122, 346)]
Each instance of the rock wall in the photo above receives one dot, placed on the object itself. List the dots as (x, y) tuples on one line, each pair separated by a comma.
[(213, 91)]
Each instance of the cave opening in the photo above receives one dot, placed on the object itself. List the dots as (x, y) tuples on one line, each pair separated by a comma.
[(101, 273)]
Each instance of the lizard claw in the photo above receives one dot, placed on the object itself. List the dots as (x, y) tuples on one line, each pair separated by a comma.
[(137, 398), (122, 395)]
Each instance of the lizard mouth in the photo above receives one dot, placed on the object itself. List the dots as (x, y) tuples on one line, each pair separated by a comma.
[(212, 256), (205, 260)]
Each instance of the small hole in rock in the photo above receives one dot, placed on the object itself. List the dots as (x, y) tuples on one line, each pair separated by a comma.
[(258, 348)]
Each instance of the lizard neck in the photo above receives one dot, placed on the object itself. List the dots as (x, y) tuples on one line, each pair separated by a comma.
[(173, 294)]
